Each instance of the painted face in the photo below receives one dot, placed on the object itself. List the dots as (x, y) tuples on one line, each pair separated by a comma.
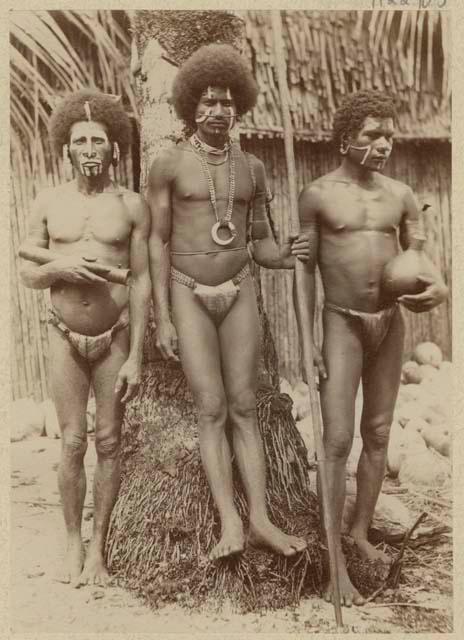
[(216, 111), (90, 148), (373, 144)]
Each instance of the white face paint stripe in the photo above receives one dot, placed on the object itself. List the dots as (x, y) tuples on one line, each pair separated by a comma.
[(87, 110), (209, 93), (232, 114), (228, 94), (368, 150), (208, 113)]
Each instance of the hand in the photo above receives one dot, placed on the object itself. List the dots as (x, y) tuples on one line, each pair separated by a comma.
[(435, 293), (166, 340), (129, 376), (319, 364), (297, 246), (75, 270)]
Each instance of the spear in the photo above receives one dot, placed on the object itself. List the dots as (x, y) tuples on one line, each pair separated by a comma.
[(302, 311)]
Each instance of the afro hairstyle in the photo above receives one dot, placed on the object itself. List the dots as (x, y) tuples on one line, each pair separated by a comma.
[(104, 108), (356, 107), (212, 65)]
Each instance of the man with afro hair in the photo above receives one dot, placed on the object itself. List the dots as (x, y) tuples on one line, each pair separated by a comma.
[(202, 194), (85, 228), (356, 218)]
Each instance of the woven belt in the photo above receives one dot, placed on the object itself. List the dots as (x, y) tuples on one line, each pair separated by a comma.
[(181, 278)]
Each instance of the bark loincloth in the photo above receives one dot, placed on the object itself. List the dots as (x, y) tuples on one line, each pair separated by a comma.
[(91, 348), (374, 326)]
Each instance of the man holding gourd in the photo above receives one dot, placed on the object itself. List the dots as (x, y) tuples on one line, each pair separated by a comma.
[(356, 219)]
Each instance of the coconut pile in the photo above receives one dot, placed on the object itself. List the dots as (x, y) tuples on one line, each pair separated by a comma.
[(419, 451)]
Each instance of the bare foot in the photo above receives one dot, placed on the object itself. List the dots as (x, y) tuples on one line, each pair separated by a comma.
[(263, 532), (369, 552), (348, 594), (95, 571), (231, 543), (73, 561)]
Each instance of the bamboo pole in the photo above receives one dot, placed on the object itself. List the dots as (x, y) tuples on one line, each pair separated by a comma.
[(303, 312)]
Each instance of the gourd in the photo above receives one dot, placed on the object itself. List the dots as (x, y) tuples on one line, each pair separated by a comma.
[(401, 274)]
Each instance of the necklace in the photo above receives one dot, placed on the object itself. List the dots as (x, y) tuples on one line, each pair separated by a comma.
[(225, 222)]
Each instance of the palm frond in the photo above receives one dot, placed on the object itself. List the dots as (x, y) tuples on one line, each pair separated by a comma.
[(55, 52)]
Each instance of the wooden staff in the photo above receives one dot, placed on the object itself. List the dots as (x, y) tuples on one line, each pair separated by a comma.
[(302, 311), (44, 256)]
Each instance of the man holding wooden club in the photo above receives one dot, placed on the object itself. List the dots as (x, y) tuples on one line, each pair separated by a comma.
[(83, 234), (355, 218)]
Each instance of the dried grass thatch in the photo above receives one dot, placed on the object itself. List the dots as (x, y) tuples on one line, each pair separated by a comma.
[(333, 53)]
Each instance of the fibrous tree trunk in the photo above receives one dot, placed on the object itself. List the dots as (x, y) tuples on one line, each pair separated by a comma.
[(164, 522)]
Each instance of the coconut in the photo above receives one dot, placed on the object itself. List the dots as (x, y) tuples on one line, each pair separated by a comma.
[(302, 405), (424, 468), (52, 427), (416, 424), (430, 374), (305, 427), (412, 392), (405, 411), (27, 419), (410, 372), (302, 387), (438, 437), (285, 386), (428, 353)]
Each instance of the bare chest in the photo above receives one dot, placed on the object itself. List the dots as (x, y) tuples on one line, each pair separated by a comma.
[(102, 218), (197, 181), (349, 207)]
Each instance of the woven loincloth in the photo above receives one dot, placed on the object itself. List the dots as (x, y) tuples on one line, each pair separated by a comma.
[(91, 348), (217, 300)]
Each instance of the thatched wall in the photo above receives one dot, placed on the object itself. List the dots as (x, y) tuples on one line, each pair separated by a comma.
[(426, 168)]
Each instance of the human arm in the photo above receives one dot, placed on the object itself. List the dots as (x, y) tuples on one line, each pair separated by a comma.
[(160, 181), (266, 252), (308, 209), (68, 268), (139, 295), (411, 226)]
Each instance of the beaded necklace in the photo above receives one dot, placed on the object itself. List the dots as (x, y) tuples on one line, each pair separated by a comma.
[(224, 222)]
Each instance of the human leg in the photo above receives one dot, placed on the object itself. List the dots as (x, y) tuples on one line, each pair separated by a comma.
[(108, 419), (342, 353), (381, 378), (70, 383), (239, 336), (201, 361)]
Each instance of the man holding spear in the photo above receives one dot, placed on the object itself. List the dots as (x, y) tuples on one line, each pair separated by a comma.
[(201, 193), (85, 234), (354, 217)]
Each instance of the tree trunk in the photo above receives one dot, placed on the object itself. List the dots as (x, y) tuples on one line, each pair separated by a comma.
[(164, 522)]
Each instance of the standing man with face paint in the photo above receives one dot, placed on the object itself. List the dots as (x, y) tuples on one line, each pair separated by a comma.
[(200, 194), (90, 221), (355, 218)]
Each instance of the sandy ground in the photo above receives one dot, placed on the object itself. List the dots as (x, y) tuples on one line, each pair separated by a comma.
[(41, 604)]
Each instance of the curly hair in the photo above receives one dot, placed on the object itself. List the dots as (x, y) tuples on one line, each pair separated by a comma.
[(213, 65), (104, 108), (352, 112)]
